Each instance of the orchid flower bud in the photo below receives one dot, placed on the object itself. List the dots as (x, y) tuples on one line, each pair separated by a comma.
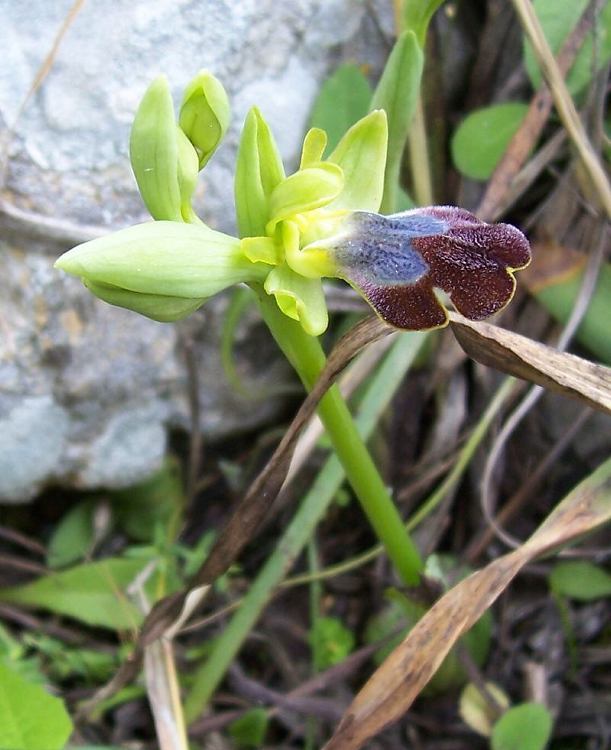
[(161, 269), (204, 115)]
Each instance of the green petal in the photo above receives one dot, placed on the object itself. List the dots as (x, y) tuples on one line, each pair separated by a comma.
[(155, 306), (205, 114), (163, 258), (305, 190), (361, 154), (154, 152), (313, 148), (258, 171), (299, 298)]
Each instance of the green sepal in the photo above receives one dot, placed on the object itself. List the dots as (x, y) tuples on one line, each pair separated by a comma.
[(305, 190), (158, 307), (299, 298), (205, 114), (313, 148), (259, 170), (361, 154), (153, 150), (164, 258)]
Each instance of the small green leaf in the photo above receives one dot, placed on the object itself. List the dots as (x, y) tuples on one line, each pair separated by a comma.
[(299, 298), (73, 536), (558, 19), (157, 500), (580, 580), (259, 170), (417, 15), (527, 726), (331, 642), (481, 139), (343, 99), (558, 295), (361, 154), (249, 730), (93, 593), (397, 93), (154, 152), (205, 114), (30, 718)]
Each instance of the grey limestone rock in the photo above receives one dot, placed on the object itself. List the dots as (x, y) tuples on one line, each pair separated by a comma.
[(88, 392)]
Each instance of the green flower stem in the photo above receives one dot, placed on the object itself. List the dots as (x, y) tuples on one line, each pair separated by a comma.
[(313, 507), (307, 357)]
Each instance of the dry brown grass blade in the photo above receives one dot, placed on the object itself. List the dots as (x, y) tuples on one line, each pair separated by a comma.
[(564, 103), (527, 359), (531, 128), (394, 686)]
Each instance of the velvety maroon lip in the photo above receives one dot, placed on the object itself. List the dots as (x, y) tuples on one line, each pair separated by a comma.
[(396, 262)]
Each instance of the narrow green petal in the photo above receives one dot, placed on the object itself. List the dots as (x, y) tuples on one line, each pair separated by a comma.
[(305, 190), (154, 152), (258, 171), (361, 154), (299, 298), (155, 306), (163, 258), (205, 114), (313, 148)]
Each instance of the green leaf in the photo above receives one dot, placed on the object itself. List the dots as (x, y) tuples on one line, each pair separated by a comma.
[(397, 93), (580, 580), (361, 154), (527, 726), (558, 19), (558, 296), (417, 15), (331, 642), (73, 536), (481, 139), (343, 99), (30, 718), (93, 593), (156, 501), (153, 151), (249, 730), (259, 170)]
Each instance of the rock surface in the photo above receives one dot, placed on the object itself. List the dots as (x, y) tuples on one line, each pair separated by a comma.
[(88, 392)]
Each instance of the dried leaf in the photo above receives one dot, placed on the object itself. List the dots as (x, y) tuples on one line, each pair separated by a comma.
[(395, 685), (535, 362)]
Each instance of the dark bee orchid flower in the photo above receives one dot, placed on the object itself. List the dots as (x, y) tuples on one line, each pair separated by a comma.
[(318, 222), (397, 261)]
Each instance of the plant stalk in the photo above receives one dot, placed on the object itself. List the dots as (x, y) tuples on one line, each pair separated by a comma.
[(307, 357)]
